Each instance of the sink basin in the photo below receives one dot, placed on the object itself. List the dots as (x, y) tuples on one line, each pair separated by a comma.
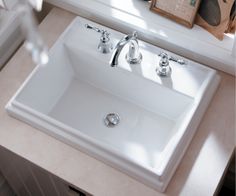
[(70, 97)]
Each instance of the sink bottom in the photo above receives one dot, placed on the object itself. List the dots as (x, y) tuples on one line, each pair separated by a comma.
[(131, 137)]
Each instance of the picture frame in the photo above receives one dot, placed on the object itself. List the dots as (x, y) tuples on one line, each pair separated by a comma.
[(217, 17), (180, 11)]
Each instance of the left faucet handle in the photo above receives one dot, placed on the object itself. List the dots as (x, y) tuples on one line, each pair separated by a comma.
[(105, 45)]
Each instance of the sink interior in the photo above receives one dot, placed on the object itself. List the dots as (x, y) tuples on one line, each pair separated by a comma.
[(71, 95), (81, 94)]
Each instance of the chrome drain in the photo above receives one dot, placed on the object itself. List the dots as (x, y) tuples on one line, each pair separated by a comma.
[(111, 120)]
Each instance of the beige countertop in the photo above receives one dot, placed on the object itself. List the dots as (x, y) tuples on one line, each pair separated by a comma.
[(199, 172)]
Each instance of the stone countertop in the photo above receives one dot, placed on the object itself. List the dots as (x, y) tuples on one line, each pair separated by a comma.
[(199, 172)]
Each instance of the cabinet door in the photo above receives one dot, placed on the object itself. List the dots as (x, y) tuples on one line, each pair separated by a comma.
[(27, 179), (8, 169), (45, 181)]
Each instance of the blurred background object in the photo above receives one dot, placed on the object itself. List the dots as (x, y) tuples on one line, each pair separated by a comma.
[(17, 22)]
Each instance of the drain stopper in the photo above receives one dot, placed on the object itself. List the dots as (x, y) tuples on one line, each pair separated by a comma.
[(111, 120)]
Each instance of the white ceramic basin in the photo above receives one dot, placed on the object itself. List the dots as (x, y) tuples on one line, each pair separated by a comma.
[(69, 98)]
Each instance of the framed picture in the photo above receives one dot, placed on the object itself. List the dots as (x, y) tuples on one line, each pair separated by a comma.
[(181, 11), (217, 17)]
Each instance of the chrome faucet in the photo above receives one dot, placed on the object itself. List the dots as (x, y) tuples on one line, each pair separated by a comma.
[(133, 56)]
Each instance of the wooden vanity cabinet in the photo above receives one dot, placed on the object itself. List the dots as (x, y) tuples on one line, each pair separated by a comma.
[(27, 179)]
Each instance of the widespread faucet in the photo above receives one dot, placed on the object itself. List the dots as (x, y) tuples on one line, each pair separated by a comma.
[(34, 43), (133, 56)]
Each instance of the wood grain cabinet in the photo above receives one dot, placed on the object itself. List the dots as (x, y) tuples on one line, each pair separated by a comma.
[(27, 179)]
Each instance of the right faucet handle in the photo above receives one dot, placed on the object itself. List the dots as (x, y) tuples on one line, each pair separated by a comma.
[(163, 68), (175, 59), (164, 59)]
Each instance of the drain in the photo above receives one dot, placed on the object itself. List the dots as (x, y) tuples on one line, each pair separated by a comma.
[(111, 120)]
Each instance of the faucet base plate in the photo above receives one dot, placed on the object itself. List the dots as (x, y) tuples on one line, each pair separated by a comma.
[(164, 71), (134, 60)]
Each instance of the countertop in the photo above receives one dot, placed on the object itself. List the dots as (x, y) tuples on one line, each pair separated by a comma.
[(199, 172)]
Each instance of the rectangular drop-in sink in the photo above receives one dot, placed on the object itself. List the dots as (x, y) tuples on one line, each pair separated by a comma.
[(152, 119)]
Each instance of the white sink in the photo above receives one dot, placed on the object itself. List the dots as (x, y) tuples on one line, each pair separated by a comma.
[(70, 97)]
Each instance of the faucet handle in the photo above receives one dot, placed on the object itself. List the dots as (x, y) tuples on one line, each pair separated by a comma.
[(164, 68), (105, 36), (104, 46), (164, 59), (171, 58), (135, 34), (88, 26)]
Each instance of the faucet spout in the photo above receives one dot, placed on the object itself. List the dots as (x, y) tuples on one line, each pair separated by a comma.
[(133, 56)]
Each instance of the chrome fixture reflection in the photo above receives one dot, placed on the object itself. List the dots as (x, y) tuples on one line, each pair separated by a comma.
[(133, 56), (105, 45), (164, 68), (34, 42)]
